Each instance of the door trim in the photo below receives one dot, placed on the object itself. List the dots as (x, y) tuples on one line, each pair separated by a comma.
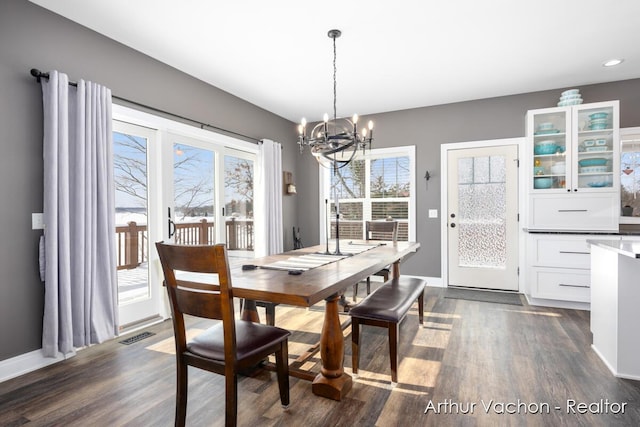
[(444, 201)]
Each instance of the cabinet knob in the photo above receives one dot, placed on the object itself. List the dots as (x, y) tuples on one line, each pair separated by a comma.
[(575, 189), (453, 225)]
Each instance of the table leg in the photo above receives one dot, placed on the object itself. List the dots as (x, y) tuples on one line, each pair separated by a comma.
[(250, 311), (332, 382), (395, 271)]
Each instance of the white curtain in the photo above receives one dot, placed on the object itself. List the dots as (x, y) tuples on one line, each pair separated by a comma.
[(268, 199), (80, 271)]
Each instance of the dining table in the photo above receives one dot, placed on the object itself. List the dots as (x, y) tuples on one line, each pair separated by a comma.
[(295, 278)]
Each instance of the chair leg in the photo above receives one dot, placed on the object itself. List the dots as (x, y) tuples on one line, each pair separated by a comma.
[(355, 292), (282, 368), (231, 397), (181, 393), (369, 285), (393, 350), (421, 309), (355, 345)]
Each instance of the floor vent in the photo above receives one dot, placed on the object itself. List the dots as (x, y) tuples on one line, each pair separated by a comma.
[(137, 338)]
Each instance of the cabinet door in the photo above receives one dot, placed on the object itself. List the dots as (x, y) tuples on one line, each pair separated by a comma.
[(564, 212), (549, 144), (595, 136)]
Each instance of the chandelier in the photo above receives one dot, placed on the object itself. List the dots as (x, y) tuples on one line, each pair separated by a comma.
[(335, 142)]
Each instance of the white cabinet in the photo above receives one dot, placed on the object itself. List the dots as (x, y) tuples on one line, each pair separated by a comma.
[(573, 168), (558, 267)]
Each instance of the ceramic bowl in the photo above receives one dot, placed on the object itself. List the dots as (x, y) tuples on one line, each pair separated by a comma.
[(538, 170), (549, 148), (592, 162), (545, 126), (570, 92), (558, 168), (588, 142), (542, 182), (600, 115), (601, 142), (570, 97)]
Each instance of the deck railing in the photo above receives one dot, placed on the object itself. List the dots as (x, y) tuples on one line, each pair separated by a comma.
[(131, 239)]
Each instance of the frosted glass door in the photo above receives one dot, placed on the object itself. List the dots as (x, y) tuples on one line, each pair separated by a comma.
[(482, 218)]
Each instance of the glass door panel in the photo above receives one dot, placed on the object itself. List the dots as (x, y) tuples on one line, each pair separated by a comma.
[(137, 300), (193, 194), (238, 204)]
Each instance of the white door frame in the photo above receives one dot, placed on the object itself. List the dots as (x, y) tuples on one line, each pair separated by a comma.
[(444, 201)]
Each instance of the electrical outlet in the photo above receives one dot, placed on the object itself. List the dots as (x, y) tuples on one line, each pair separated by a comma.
[(433, 213), (37, 221)]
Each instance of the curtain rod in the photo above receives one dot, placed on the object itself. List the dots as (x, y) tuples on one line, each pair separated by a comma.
[(41, 75)]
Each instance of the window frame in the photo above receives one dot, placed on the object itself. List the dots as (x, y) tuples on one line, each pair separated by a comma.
[(374, 153), (623, 133)]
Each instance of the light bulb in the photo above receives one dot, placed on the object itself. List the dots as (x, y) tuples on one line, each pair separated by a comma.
[(325, 117), (303, 122), (370, 124), (355, 119)]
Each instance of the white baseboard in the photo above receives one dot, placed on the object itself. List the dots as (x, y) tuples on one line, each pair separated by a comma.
[(26, 363), (573, 305)]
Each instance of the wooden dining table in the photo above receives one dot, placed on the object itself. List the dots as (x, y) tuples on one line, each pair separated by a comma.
[(325, 282)]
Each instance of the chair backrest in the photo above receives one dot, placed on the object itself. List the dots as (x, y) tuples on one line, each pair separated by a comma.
[(198, 298), (381, 230)]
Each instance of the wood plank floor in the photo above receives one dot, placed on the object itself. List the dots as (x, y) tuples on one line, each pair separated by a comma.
[(469, 355)]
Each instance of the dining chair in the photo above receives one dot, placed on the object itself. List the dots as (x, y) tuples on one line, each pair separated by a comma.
[(230, 345), (378, 230)]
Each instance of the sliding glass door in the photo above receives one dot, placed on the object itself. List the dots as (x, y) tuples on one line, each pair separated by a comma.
[(175, 183), (212, 195), (133, 147)]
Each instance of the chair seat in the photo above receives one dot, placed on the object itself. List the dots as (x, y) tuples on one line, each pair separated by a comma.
[(391, 301), (251, 339)]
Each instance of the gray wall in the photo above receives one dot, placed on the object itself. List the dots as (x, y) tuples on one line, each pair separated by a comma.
[(32, 37), (428, 127)]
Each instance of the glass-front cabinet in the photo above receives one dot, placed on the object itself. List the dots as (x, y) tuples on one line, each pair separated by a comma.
[(573, 164), (574, 149)]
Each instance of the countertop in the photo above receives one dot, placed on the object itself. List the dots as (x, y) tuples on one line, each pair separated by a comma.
[(630, 248)]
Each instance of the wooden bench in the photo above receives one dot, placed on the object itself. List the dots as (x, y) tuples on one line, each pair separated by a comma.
[(386, 307)]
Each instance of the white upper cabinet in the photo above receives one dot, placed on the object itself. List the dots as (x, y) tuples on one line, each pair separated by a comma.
[(573, 161)]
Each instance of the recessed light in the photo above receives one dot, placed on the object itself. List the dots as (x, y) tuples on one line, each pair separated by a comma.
[(613, 62)]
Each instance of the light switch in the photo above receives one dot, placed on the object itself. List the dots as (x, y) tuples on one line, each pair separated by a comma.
[(37, 221), (433, 213)]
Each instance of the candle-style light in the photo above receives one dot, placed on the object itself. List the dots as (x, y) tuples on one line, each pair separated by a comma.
[(344, 138)]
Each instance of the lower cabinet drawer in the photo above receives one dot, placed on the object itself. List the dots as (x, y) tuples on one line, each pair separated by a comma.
[(595, 212), (559, 250), (561, 284)]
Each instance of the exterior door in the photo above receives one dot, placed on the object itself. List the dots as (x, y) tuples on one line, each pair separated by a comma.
[(133, 146), (482, 217)]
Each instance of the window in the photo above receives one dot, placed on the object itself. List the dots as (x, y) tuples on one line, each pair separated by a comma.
[(377, 186), (630, 175)]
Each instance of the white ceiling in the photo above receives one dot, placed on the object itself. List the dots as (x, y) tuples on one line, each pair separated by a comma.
[(392, 55)]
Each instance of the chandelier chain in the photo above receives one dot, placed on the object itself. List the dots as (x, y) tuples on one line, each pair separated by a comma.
[(335, 114)]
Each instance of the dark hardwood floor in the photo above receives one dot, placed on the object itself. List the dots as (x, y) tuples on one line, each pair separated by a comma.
[(522, 361)]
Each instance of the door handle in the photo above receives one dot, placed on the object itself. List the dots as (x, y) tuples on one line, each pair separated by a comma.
[(171, 225)]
